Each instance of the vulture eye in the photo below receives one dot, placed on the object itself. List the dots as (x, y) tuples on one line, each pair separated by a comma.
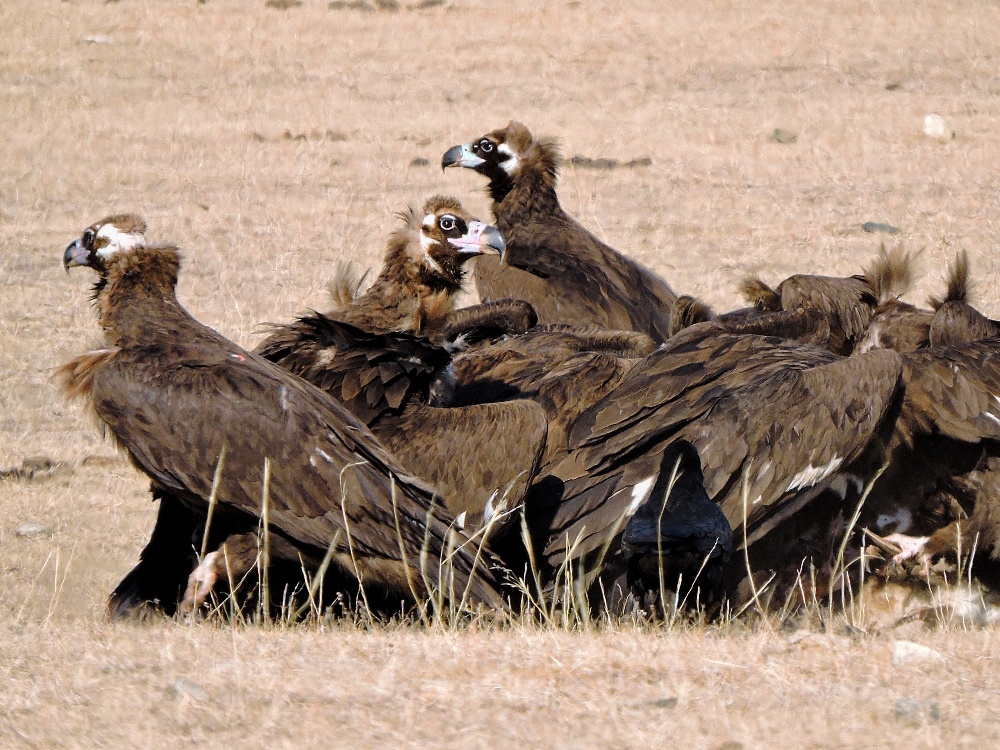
[(447, 223), (486, 146), (88, 236)]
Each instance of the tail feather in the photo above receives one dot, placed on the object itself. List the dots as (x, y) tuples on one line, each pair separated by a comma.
[(892, 273), (958, 282), (760, 295), (687, 311)]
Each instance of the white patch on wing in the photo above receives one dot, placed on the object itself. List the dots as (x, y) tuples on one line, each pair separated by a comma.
[(489, 510), (322, 454), (118, 240), (429, 220), (813, 474), (284, 397), (991, 416), (460, 520), (640, 491), (513, 161)]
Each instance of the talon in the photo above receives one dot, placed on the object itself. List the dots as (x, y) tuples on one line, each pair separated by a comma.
[(202, 581), (909, 546)]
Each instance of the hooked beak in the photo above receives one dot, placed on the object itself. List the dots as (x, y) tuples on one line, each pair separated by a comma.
[(460, 156), (480, 239), (76, 255)]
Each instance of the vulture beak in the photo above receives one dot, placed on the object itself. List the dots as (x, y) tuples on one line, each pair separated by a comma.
[(482, 238), (460, 156), (76, 255)]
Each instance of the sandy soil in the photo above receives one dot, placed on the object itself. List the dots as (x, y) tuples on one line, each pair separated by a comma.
[(271, 144)]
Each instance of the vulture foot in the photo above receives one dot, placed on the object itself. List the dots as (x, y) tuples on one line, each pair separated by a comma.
[(912, 548), (201, 582)]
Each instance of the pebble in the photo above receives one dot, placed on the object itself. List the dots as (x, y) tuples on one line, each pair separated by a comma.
[(781, 135), (33, 531), (185, 688), (913, 712), (908, 652), (936, 127), (876, 226)]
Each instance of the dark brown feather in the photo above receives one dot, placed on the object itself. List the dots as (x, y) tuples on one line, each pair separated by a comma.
[(177, 395), (566, 273), (795, 418), (846, 302)]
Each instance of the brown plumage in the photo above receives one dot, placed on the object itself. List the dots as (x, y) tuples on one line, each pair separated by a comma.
[(847, 302), (181, 399), (952, 319), (807, 326), (795, 418), (955, 320), (806, 428), (938, 496), (480, 459), (688, 311), (566, 273), (422, 272), (563, 370)]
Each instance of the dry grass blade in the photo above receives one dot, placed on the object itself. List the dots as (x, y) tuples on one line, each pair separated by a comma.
[(213, 498)]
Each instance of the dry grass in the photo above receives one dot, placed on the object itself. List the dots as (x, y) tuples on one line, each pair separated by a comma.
[(269, 144)]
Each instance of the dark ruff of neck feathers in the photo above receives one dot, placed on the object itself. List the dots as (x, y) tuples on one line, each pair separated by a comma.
[(406, 295), (532, 189), (136, 301)]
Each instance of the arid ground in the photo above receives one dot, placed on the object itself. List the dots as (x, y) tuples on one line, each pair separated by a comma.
[(271, 143)]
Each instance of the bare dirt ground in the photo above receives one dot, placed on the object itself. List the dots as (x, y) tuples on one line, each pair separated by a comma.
[(271, 143)]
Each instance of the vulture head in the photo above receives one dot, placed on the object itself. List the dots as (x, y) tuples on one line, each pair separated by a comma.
[(439, 240), (504, 155), (104, 239)]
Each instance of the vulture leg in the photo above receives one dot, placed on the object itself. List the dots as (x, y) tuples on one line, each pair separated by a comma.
[(231, 564), (159, 578)]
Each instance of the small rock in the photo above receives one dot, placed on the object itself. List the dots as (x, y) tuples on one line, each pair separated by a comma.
[(781, 135), (894, 86), (351, 5), (876, 226), (419, 162), (98, 39), (663, 703), (643, 161), (33, 531), (588, 163), (936, 127), (908, 652), (910, 711), (185, 688), (392, 6), (283, 4)]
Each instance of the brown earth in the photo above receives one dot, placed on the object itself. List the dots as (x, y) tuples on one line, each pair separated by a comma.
[(270, 143)]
